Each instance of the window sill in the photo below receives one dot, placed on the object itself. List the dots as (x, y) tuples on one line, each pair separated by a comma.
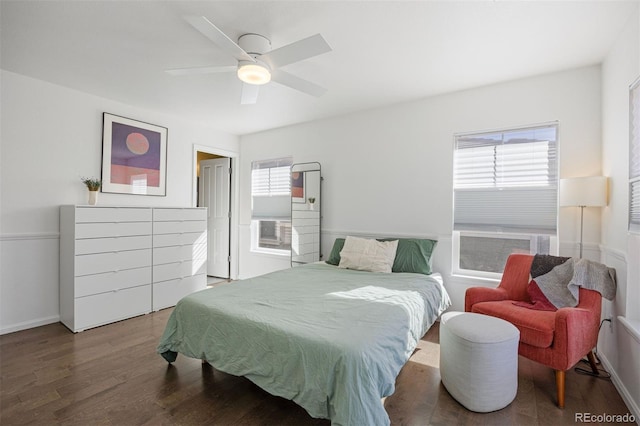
[(271, 253), (476, 277)]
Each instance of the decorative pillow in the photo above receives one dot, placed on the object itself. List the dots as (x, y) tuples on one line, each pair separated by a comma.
[(413, 255), (538, 300), (368, 255), (334, 256)]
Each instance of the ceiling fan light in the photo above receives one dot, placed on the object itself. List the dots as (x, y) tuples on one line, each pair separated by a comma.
[(254, 73)]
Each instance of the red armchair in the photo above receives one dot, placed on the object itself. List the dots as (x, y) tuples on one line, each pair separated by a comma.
[(556, 339)]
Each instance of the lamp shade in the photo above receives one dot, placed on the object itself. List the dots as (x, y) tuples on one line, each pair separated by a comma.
[(583, 191)]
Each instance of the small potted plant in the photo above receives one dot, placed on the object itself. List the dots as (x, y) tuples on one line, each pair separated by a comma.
[(312, 201), (93, 185)]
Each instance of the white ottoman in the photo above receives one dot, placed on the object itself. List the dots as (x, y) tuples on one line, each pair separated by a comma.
[(479, 360)]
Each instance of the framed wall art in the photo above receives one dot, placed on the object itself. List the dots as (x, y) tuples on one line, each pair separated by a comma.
[(297, 187), (134, 156)]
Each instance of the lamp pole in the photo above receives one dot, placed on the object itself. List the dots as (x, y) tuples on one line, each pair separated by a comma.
[(581, 227)]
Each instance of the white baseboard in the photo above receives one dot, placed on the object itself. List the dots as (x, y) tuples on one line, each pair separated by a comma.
[(29, 324), (622, 390)]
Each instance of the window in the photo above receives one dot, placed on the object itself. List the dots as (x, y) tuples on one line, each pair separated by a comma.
[(505, 197), (271, 205), (634, 158), (271, 178), (274, 234)]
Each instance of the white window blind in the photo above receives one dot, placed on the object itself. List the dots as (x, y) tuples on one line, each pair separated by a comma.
[(634, 157), (507, 181), (271, 189)]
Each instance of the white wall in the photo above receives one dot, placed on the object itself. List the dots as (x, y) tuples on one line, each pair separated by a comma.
[(620, 345), (389, 171), (51, 136)]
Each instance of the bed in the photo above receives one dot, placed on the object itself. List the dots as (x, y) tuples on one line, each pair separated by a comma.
[(331, 339)]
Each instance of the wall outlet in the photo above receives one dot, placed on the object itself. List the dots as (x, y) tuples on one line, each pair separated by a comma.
[(610, 321)]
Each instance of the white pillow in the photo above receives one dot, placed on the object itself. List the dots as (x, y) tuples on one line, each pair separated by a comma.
[(368, 255)]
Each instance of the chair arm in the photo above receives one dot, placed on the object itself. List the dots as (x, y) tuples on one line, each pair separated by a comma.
[(474, 295), (576, 334)]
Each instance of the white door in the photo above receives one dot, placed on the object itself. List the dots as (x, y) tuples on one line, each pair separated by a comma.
[(215, 185)]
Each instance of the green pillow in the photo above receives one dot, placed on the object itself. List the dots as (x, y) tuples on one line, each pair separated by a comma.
[(412, 255), (334, 256)]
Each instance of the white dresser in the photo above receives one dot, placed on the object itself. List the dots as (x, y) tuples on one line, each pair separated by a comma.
[(119, 262), (105, 264), (179, 254)]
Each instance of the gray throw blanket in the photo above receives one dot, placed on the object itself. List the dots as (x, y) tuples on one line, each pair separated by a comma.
[(556, 281)]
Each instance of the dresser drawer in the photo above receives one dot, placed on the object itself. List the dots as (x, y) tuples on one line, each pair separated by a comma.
[(179, 253), (188, 238), (113, 229), (179, 227), (90, 264), (179, 215), (112, 214), (99, 309), (87, 285), (99, 245), (168, 293), (306, 258), (305, 214), (306, 223), (170, 271)]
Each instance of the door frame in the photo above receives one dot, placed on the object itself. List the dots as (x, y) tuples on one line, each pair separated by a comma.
[(234, 250)]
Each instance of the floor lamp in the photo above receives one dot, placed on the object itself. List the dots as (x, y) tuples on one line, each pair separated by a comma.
[(583, 192)]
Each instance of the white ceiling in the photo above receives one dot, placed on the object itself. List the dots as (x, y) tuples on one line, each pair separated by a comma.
[(384, 52)]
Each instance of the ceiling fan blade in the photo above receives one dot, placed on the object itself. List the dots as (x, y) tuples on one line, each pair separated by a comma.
[(297, 83), (214, 34), (202, 70), (296, 51), (249, 94)]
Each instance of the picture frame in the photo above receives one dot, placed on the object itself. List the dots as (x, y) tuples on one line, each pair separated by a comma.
[(298, 187), (134, 156)]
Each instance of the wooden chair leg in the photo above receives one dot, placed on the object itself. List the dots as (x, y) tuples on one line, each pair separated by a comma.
[(592, 362), (560, 374)]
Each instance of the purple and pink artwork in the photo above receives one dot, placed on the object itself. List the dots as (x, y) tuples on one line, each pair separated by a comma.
[(135, 155)]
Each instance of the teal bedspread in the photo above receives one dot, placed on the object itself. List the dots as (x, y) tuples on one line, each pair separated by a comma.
[(330, 339)]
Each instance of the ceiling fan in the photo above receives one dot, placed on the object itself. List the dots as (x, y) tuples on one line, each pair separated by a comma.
[(257, 63)]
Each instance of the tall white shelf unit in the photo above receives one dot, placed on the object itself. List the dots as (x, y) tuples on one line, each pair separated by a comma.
[(305, 238), (120, 262)]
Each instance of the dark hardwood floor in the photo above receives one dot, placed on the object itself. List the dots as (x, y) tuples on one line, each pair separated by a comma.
[(111, 375)]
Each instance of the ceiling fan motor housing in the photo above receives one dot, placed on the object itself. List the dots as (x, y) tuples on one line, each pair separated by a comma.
[(254, 44)]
